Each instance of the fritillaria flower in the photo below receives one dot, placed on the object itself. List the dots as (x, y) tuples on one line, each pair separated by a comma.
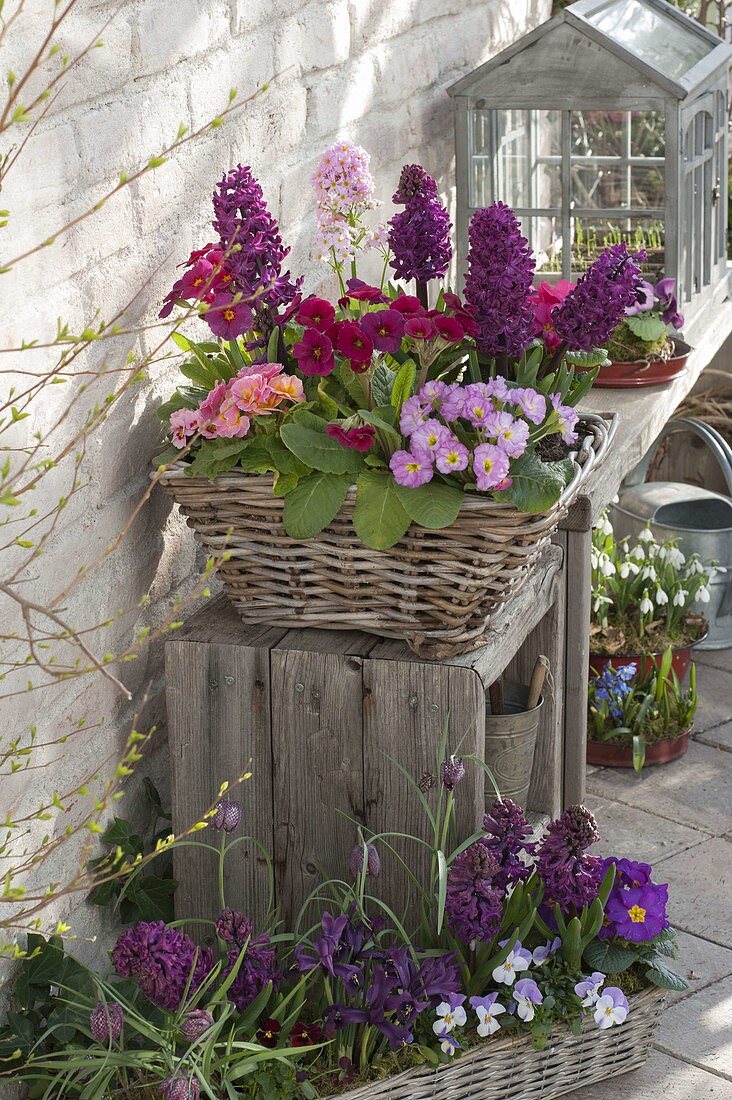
[(105, 1022)]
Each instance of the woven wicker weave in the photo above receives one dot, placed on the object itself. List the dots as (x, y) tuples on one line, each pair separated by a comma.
[(434, 589), (510, 1069)]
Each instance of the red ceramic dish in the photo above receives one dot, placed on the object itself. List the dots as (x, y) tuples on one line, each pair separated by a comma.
[(680, 661), (626, 375), (621, 756)]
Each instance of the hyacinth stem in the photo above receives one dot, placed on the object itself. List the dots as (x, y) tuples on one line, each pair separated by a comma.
[(422, 294), (557, 357)]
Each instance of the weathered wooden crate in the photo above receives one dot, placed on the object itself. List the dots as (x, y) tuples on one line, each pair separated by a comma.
[(319, 713)]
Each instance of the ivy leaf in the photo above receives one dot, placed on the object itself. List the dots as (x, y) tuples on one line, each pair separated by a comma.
[(434, 506), (379, 517), (609, 958), (43, 969), (318, 451), (646, 326), (403, 384), (313, 503), (536, 487), (149, 898), (121, 834)]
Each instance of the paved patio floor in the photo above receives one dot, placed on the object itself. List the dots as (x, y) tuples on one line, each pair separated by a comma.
[(679, 818)]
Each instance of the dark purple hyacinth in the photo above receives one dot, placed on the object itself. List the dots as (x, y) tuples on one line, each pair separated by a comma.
[(234, 928), (251, 240), (507, 837), (195, 1024), (498, 285), (161, 961), (570, 877), (474, 903), (105, 1022), (419, 235), (259, 964), (180, 1087), (590, 312)]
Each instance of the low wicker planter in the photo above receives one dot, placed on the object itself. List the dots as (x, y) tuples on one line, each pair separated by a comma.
[(510, 1068), (434, 589)]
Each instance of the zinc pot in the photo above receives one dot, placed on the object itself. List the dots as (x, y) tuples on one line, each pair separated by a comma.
[(621, 756), (510, 741)]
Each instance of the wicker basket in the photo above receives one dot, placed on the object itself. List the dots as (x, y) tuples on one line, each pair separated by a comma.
[(434, 589), (511, 1069)]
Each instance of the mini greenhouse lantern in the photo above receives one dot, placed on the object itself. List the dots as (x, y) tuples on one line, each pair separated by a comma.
[(607, 123)]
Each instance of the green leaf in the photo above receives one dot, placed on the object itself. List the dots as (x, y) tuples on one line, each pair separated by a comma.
[(283, 459), (256, 457), (121, 834), (537, 485), (41, 970), (149, 898), (660, 974), (318, 451), (610, 958), (646, 326), (153, 796), (379, 517), (177, 401), (313, 503), (434, 506), (284, 483), (586, 360), (639, 751), (403, 384), (193, 370), (382, 381), (213, 454), (382, 418)]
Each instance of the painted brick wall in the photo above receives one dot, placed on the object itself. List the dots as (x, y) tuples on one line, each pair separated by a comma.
[(371, 70)]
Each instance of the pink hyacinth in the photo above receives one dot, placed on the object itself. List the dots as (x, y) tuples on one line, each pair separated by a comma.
[(409, 470), (342, 179), (490, 466), (184, 423)]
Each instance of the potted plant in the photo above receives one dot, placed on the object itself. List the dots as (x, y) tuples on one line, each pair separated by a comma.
[(538, 957), (637, 721), (642, 597), (644, 349), (324, 434)]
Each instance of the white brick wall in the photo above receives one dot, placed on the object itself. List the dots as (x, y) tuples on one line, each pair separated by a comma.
[(371, 70)]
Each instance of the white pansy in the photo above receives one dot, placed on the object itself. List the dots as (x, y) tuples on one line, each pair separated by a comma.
[(680, 598), (448, 1018), (488, 1024), (661, 597)]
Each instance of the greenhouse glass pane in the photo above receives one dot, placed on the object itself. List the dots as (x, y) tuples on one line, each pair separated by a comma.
[(652, 35), (591, 235), (516, 157)]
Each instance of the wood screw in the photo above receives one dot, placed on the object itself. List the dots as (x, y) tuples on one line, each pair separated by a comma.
[(434, 708), (214, 683), (299, 687), (412, 700), (228, 679)]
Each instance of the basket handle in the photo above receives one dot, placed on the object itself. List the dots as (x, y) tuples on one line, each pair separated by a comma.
[(716, 443)]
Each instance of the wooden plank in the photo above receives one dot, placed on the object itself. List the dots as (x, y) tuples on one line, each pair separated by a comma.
[(317, 753), (218, 621), (406, 705), (643, 412), (576, 668), (548, 638), (218, 720)]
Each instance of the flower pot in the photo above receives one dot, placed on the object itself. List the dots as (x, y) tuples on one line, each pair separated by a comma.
[(680, 660), (621, 756), (510, 741), (503, 1067), (644, 372)]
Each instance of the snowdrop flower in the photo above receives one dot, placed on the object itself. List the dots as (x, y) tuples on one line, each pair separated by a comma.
[(703, 595), (675, 557), (600, 601), (542, 953), (606, 566), (516, 961), (449, 1045), (627, 568), (696, 565), (638, 552), (605, 525), (487, 1009), (588, 990), (646, 535), (646, 604), (527, 995), (680, 598), (661, 597), (611, 1008), (451, 1014), (649, 574)]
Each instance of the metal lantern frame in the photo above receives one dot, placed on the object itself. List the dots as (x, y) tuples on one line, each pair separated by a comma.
[(597, 56)]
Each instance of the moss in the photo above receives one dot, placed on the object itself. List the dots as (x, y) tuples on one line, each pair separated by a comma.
[(625, 347), (625, 639)]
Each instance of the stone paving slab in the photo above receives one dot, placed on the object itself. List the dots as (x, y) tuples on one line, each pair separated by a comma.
[(698, 1029), (700, 889), (636, 834), (700, 962), (718, 658), (714, 686), (661, 1078), (719, 737), (693, 791)]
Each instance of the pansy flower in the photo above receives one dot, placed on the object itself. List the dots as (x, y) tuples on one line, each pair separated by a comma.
[(588, 990), (517, 960), (611, 1008), (527, 996), (487, 1010), (450, 1014)]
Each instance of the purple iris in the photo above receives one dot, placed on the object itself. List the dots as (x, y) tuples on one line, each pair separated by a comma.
[(666, 294)]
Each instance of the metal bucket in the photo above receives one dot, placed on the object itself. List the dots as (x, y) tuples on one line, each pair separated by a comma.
[(510, 741), (699, 519)]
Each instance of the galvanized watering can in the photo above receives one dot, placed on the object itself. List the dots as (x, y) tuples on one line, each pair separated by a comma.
[(699, 519)]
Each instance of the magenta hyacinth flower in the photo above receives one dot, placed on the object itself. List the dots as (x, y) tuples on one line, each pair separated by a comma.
[(507, 836), (571, 877), (419, 235), (105, 1022), (474, 903), (499, 282), (161, 961), (409, 470), (588, 315)]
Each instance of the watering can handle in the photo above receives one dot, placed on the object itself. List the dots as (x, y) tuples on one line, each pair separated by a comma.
[(716, 443)]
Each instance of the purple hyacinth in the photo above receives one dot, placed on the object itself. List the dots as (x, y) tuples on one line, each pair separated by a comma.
[(259, 964), (507, 837), (161, 961), (452, 771), (474, 903), (419, 235), (498, 285), (180, 1087), (195, 1024), (570, 877), (590, 312), (105, 1022), (234, 928), (373, 862), (227, 816), (251, 240)]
